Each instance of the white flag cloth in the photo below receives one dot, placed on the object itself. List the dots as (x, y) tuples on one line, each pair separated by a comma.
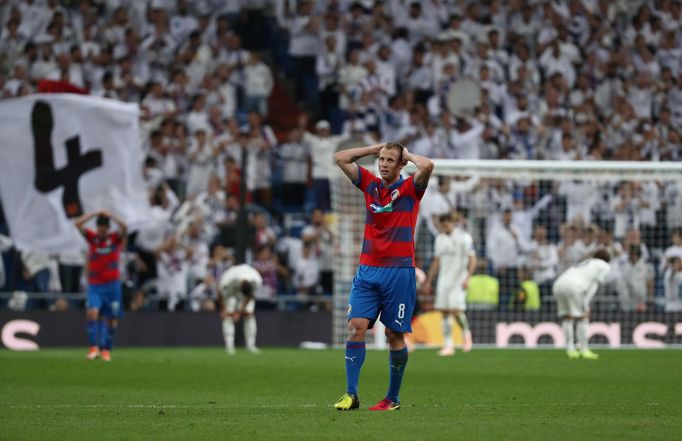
[(62, 155)]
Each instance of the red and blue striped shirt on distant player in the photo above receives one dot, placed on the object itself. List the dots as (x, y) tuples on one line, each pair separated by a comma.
[(103, 256), (391, 219)]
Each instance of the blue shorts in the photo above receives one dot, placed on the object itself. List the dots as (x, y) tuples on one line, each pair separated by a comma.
[(391, 291), (106, 298)]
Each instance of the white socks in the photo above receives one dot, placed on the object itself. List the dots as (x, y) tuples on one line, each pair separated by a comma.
[(228, 333), (250, 332), (447, 331), (567, 325), (581, 330), (463, 322)]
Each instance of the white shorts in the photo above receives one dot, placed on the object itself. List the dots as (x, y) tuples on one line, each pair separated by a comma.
[(233, 305), (569, 302), (449, 299)]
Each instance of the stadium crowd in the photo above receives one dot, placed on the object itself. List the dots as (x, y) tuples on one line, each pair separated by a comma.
[(561, 79)]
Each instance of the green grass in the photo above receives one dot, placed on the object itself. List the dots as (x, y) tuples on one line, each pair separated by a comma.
[(199, 394)]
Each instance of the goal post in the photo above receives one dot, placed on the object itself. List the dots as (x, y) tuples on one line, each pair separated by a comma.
[(562, 211)]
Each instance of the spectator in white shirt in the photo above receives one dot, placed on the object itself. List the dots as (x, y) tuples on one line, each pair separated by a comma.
[(386, 70), (652, 231), (258, 84), (36, 270), (45, 60), (636, 280), (525, 24), (520, 61), (419, 76), (296, 170), (672, 199), (543, 259), (401, 51), (437, 203), (263, 143), (182, 23), (572, 249), (197, 118), (196, 239), (156, 104), (641, 94), (524, 214), (466, 138), (675, 248), (322, 145), (19, 78), (327, 65), (12, 41), (504, 251), (173, 260), (418, 25), (581, 196), (159, 46), (321, 237), (351, 76), (149, 238), (303, 45), (210, 203), (331, 27), (610, 88), (523, 142), (432, 141), (626, 206), (672, 280), (306, 276), (202, 159)]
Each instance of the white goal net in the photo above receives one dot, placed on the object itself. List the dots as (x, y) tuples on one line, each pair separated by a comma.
[(530, 220)]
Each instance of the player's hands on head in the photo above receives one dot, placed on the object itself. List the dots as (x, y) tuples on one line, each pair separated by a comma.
[(406, 154)]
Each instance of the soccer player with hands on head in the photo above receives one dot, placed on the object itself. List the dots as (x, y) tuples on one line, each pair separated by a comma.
[(385, 283), (103, 307)]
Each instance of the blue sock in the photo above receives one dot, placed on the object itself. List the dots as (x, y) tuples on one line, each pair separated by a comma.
[(355, 356), (103, 333), (92, 332), (397, 361), (109, 337)]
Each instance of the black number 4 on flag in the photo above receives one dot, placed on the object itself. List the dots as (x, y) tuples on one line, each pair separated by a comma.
[(49, 178)]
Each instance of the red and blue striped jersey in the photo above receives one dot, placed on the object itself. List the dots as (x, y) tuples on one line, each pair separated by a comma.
[(103, 256), (391, 220)]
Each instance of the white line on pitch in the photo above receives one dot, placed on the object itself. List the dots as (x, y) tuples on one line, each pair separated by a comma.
[(148, 406)]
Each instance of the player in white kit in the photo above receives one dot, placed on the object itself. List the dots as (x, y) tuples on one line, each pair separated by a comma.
[(454, 262), (573, 290), (237, 286)]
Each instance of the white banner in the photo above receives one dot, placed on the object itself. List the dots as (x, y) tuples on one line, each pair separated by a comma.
[(62, 155)]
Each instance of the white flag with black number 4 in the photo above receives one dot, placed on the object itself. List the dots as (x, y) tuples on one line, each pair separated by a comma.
[(63, 155)]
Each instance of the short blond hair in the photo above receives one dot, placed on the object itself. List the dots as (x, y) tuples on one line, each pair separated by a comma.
[(395, 145)]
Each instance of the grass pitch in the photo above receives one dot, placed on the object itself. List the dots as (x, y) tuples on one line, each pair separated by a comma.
[(201, 394)]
